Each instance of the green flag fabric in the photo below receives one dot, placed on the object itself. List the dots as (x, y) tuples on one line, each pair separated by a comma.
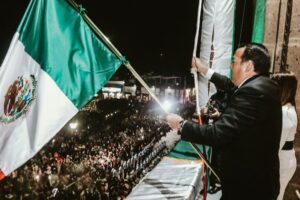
[(54, 65), (259, 21)]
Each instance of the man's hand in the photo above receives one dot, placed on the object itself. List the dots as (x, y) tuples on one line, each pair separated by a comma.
[(174, 120), (196, 63)]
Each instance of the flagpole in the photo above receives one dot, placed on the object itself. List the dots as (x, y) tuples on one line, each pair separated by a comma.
[(130, 68), (205, 160), (194, 72), (115, 51)]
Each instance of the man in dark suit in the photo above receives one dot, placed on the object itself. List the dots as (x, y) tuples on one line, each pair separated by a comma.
[(248, 131)]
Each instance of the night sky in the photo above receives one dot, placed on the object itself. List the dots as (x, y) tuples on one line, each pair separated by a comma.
[(155, 36)]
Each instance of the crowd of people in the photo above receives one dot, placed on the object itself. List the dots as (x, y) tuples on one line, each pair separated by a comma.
[(103, 159)]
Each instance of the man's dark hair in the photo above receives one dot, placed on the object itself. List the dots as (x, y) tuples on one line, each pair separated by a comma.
[(260, 57)]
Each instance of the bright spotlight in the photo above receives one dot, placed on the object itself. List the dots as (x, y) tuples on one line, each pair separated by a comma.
[(73, 125), (167, 105)]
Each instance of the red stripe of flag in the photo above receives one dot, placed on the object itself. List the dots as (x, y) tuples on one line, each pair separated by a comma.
[(2, 176)]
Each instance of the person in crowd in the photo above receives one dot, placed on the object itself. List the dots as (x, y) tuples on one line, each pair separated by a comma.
[(287, 86), (91, 164), (248, 132)]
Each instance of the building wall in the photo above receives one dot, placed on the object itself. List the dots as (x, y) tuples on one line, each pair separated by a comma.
[(293, 60)]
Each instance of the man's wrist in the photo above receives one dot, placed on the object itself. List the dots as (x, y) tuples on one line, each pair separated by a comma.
[(209, 73)]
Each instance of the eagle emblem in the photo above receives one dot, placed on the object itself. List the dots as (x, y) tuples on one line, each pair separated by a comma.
[(18, 98)]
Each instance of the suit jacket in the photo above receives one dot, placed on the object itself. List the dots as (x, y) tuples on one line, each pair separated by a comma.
[(248, 135)]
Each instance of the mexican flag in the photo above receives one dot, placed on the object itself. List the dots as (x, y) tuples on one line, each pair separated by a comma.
[(54, 65)]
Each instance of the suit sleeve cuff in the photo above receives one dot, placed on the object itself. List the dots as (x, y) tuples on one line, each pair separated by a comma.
[(181, 123), (209, 73)]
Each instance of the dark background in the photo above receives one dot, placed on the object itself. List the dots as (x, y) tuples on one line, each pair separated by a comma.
[(155, 36)]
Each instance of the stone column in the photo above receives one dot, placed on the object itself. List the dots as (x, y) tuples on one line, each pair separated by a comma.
[(271, 23)]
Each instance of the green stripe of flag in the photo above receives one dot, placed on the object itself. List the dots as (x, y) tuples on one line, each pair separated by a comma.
[(57, 37), (259, 21)]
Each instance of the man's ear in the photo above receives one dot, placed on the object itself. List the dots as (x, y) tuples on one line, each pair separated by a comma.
[(249, 66)]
